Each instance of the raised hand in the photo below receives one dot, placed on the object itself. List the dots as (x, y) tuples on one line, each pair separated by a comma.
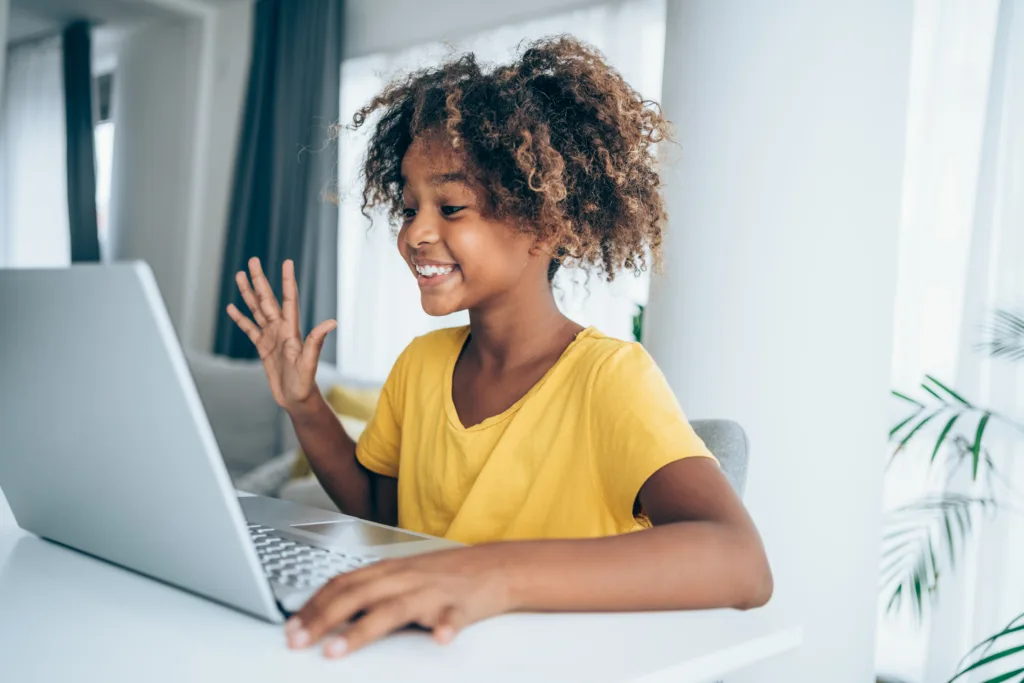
[(290, 362)]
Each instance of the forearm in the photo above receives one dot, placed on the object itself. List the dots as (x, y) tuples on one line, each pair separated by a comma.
[(686, 565), (332, 456)]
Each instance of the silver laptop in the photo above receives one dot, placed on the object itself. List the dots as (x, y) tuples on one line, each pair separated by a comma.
[(105, 448)]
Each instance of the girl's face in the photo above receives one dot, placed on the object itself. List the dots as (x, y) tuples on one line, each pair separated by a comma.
[(461, 259)]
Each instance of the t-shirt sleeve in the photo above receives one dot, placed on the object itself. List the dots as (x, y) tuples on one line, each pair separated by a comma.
[(379, 446), (637, 427)]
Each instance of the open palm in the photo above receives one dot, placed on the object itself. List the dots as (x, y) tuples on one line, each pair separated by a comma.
[(290, 362)]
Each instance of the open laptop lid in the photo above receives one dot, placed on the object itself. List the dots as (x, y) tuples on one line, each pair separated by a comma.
[(104, 444)]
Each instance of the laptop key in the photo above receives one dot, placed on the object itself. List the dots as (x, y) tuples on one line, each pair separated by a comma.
[(297, 565)]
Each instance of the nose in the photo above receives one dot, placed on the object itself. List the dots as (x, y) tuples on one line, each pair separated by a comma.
[(422, 230)]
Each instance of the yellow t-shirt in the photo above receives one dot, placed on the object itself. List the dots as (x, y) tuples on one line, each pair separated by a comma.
[(566, 461)]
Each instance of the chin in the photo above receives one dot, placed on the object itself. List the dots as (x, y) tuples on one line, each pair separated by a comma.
[(437, 309)]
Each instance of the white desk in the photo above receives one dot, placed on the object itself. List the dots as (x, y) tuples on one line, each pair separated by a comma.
[(65, 616)]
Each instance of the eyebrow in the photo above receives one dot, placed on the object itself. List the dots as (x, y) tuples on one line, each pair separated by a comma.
[(445, 178), (453, 177)]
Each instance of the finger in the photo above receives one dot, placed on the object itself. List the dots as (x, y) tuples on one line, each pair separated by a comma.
[(336, 603), (315, 341), (290, 296), (265, 295), (380, 620), (242, 279), (452, 620), (249, 327)]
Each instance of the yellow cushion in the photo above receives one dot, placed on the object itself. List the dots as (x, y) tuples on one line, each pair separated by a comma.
[(353, 402), (354, 408)]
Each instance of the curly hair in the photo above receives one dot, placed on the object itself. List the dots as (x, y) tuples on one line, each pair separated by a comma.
[(560, 143)]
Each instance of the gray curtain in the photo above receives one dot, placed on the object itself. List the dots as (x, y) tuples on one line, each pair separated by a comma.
[(81, 153), (286, 161)]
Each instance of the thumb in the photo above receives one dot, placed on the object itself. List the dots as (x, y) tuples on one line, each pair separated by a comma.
[(315, 340)]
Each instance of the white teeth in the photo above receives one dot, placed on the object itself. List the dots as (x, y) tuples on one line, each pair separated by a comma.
[(432, 271)]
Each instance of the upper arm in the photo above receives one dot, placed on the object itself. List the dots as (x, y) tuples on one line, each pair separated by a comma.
[(385, 499), (379, 446), (691, 490), (637, 429)]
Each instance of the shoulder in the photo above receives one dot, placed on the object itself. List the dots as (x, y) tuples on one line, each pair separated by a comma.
[(423, 363), (427, 356), (608, 358), (436, 345), (622, 375)]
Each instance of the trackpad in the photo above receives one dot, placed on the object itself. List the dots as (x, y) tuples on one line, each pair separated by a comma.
[(350, 533)]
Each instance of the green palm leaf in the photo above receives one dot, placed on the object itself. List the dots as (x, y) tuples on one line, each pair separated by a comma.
[(934, 394), (907, 398), (1001, 665), (959, 399), (1008, 652), (1005, 336), (976, 448), (1004, 677), (943, 435), (980, 651), (910, 435), (903, 423), (942, 399), (913, 543)]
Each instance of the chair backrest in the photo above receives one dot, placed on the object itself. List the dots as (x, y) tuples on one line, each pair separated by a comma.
[(727, 440)]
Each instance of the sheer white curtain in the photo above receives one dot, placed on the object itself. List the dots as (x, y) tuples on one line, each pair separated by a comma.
[(990, 591), (961, 250), (379, 309), (33, 161)]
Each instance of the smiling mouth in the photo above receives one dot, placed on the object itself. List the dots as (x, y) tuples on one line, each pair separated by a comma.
[(430, 276), (434, 271)]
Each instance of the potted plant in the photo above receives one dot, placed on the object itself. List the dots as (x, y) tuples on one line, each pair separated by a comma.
[(922, 539)]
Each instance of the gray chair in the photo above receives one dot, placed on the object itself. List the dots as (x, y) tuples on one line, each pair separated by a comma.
[(727, 440)]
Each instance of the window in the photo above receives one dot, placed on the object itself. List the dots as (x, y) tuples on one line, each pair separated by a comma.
[(379, 310), (104, 143), (33, 158)]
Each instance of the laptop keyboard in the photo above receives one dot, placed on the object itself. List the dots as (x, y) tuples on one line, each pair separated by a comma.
[(298, 565)]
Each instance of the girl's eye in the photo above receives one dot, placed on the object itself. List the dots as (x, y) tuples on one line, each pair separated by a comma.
[(408, 213), (451, 210)]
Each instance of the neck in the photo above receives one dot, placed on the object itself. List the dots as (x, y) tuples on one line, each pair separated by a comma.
[(509, 332)]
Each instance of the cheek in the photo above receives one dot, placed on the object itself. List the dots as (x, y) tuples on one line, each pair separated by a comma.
[(488, 253)]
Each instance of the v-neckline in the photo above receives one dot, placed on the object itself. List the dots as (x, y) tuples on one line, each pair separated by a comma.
[(449, 374)]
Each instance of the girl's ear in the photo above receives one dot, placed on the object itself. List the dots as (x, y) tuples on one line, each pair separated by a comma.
[(543, 246)]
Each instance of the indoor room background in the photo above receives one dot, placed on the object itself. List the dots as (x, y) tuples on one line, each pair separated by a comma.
[(842, 264)]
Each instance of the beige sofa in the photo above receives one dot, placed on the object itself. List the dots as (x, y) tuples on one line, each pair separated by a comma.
[(254, 434)]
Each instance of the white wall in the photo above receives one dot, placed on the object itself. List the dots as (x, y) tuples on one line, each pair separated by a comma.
[(230, 43), (5, 511), (152, 161), (6, 518), (5, 8), (177, 108), (776, 306), (373, 26)]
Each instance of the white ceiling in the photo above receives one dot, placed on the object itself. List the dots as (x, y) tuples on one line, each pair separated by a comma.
[(29, 18), (22, 25)]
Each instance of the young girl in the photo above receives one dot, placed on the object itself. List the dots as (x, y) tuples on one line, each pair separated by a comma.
[(535, 441)]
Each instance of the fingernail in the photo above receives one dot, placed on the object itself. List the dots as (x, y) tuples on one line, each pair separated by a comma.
[(292, 625), (445, 634), (336, 647), (299, 638)]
